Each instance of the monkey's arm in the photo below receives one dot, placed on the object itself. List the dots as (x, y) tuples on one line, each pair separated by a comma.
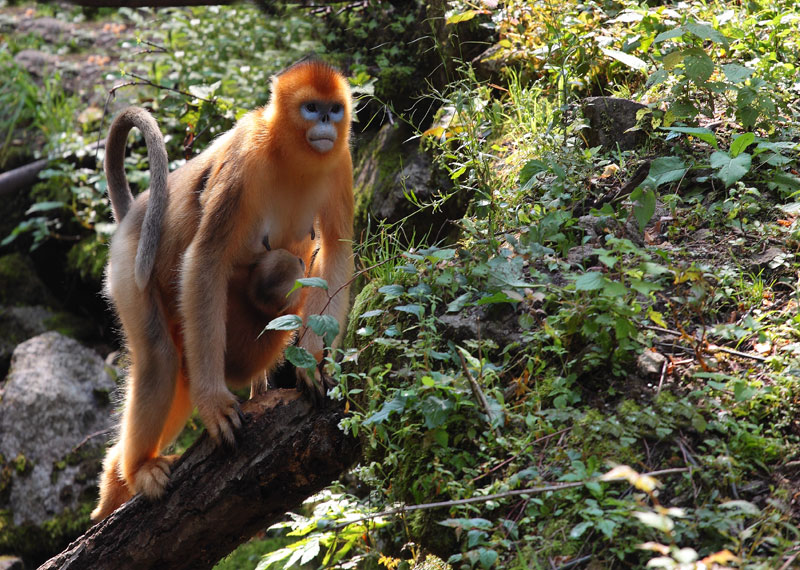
[(334, 260), (207, 266)]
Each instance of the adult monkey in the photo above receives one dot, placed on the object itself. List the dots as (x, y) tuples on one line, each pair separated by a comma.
[(281, 171)]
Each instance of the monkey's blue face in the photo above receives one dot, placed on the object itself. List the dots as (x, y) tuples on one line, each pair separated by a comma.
[(324, 116)]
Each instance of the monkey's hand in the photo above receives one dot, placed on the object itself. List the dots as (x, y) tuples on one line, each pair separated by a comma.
[(220, 413)]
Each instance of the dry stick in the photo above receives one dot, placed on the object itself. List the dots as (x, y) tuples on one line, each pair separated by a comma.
[(711, 347), (503, 495), (479, 395)]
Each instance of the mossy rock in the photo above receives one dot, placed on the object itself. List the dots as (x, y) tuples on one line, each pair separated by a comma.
[(19, 284), (391, 167)]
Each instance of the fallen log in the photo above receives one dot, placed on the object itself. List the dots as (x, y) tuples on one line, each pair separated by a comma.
[(218, 497), (21, 177)]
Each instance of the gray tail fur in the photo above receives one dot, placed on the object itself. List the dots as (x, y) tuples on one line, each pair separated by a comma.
[(120, 193)]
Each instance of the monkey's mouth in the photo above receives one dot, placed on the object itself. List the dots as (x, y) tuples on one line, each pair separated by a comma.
[(321, 143)]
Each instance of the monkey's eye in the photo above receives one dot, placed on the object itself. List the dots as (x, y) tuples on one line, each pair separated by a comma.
[(335, 108), (311, 107)]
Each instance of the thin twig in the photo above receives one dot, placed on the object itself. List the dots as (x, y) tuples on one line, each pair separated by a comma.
[(492, 497), (714, 347)]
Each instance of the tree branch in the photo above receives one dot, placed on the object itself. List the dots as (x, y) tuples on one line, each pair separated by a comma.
[(218, 497)]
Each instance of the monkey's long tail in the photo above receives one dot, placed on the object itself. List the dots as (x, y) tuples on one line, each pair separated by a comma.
[(120, 193)]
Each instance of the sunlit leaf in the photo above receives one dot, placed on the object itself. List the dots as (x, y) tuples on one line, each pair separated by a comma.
[(630, 60)]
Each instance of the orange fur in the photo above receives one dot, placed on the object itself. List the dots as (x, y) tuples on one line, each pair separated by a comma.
[(263, 179)]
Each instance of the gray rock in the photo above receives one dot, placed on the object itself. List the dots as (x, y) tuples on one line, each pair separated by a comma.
[(650, 363), (391, 166), (55, 412), (610, 119), (18, 324)]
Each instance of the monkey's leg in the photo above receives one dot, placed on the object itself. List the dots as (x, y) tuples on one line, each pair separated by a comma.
[(178, 414), (149, 402), (113, 489)]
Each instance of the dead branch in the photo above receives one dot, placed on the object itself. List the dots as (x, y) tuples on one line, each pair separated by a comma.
[(217, 498)]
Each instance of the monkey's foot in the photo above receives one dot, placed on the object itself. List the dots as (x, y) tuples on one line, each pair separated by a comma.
[(316, 386), (152, 477), (221, 415), (113, 489)]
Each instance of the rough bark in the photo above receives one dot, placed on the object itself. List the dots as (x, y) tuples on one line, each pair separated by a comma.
[(218, 497)]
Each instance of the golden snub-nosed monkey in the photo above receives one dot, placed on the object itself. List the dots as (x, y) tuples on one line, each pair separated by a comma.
[(205, 257)]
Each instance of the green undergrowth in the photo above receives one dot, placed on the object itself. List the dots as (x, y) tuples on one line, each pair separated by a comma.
[(572, 328)]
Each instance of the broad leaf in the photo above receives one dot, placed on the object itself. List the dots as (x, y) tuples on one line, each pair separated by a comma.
[(300, 357), (325, 326), (699, 66), (702, 133), (736, 73), (706, 32), (590, 281), (667, 169), (285, 323), (644, 206), (730, 169), (741, 142)]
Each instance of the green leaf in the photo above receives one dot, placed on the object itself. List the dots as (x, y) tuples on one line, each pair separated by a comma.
[(285, 323), (741, 142), (531, 168), (325, 326), (742, 391), (736, 73), (668, 35), (392, 290), (630, 60), (657, 318), (702, 133), (699, 66), (435, 411), (369, 314), (441, 254), (706, 32), (614, 288), (396, 404), (441, 437), (672, 59), (591, 281), (313, 282), (413, 309), (729, 170), (644, 287), (644, 207), (667, 169), (309, 282), (45, 206), (606, 526), (497, 297), (458, 303), (487, 557), (745, 507), (300, 357)]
